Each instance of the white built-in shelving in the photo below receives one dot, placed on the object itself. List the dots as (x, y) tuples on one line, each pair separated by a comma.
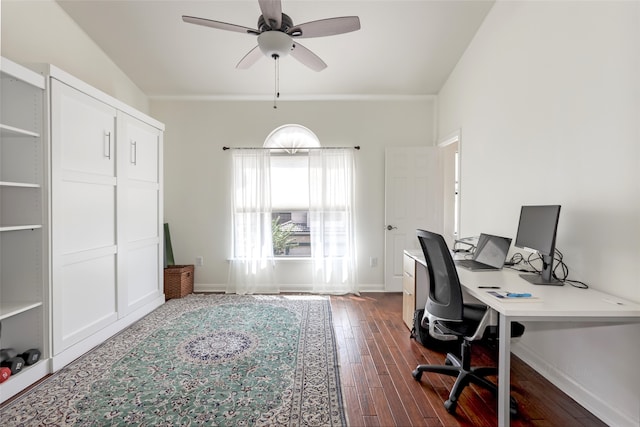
[(80, 217), (24, 278)]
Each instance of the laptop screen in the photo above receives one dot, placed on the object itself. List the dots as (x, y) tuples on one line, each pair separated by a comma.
[(492, 250)]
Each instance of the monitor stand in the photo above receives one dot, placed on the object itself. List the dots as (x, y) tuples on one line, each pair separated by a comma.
[(537, 279)]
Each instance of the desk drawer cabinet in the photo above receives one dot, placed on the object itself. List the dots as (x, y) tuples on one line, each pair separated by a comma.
[(408, 290), (415, 287)]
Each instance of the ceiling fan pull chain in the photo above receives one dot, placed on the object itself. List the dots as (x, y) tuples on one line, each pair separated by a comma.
[(278, 77), (276, 93)]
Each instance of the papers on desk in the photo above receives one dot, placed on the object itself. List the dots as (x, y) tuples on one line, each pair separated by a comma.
[(513, 296)]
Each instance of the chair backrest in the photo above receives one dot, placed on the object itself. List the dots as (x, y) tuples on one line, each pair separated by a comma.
[(445, 292)]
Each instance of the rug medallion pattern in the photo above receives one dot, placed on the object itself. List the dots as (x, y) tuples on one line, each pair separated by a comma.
[(223, 360)]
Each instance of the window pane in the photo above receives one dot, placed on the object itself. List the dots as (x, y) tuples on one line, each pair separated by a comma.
[(291, 235), (290, 182), (334, 228)]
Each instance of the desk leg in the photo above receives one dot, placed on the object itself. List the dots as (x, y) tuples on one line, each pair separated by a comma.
[(504, 370)]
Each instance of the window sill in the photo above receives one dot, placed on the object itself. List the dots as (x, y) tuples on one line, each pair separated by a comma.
[(280, 259)]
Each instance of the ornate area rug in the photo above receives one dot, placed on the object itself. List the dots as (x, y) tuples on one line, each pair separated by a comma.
[(224, 360)]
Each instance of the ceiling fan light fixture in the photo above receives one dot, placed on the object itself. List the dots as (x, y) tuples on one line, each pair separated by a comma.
[(275, 43), (276, 32)]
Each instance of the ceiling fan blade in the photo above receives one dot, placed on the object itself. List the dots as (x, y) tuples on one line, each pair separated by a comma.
[(326, 27), (307, 57), (272, 13), (250, 58), (219, 25)]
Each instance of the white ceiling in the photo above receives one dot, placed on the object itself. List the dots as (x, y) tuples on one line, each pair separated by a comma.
[(404, 48)]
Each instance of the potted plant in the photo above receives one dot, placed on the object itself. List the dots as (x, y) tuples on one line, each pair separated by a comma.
[(282, 235)]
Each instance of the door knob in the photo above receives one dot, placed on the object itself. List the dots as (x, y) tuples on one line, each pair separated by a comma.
[(391, 227)]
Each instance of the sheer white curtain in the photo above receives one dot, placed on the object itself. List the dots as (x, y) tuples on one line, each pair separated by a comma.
[(331, 217), (252, 265)]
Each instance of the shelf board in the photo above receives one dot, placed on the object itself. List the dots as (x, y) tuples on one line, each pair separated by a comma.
[(18, 184), (7, 130), (10, 309), (20, 72), (20, 227), (26, 377)]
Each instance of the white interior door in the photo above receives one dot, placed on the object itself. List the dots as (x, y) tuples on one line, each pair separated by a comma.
[(413, 199)]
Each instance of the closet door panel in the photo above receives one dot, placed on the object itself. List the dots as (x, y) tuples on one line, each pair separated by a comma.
[(142, 274), (86, 301), (83, 212), (142, 143), (142, 213), (139, 214), (88, 216), (88, 127)]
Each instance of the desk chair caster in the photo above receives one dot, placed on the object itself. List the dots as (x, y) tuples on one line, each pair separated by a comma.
[(452, 402), (451, 406), (468, 375)]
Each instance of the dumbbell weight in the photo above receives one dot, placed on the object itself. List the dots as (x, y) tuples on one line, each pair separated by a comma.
[(30, 356), (9, 359), (5, 373)]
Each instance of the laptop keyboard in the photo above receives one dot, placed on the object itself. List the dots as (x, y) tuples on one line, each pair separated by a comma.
[(470, 263)]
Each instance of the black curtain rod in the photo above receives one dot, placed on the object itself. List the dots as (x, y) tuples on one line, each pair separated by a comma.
[(357, 147)]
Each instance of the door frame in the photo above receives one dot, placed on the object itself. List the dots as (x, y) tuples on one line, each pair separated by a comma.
[(445, 146)]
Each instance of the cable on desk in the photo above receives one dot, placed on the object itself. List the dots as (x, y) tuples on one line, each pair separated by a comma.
[(515, 259), (565, 272), (559, 264), (470, 250)]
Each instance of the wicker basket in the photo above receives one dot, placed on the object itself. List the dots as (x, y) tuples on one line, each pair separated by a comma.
[(178, 281)]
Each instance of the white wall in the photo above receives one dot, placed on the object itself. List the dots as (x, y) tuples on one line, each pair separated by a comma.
[(40, 32), (547, 98), (197, 174)]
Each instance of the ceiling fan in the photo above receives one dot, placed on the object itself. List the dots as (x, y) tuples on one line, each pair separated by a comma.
[(277, 33)]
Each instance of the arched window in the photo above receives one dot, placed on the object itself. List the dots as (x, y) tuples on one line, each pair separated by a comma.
[(306, 192), (290, 188), (291, 138)]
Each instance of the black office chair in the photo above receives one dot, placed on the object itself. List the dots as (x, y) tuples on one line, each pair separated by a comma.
[(449, 318)]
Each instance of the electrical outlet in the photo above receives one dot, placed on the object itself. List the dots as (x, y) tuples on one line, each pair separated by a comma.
[(373, 262), (199, 261)]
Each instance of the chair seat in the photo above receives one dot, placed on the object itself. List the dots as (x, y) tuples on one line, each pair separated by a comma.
[(472, 314)]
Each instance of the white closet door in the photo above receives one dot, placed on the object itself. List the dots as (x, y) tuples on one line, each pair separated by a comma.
[(88, 127), (83, 209), (140, 214)]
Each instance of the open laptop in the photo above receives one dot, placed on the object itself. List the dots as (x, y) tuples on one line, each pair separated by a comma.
[(490, 254)]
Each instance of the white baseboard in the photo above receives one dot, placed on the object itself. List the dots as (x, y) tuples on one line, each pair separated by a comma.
[(209, 287), (584, 397), (217, 287), (371, 287), (70, 354)]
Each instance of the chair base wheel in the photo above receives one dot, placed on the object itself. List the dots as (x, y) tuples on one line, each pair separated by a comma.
[(450, 406), (417, 375), (513, 407)]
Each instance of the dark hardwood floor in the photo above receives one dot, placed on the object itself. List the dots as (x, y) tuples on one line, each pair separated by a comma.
[(377, 357)]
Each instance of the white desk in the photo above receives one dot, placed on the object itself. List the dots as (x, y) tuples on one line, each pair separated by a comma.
[(553, 304)]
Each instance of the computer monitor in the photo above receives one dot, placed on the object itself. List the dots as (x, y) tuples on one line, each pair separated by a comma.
[(537, 232)]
